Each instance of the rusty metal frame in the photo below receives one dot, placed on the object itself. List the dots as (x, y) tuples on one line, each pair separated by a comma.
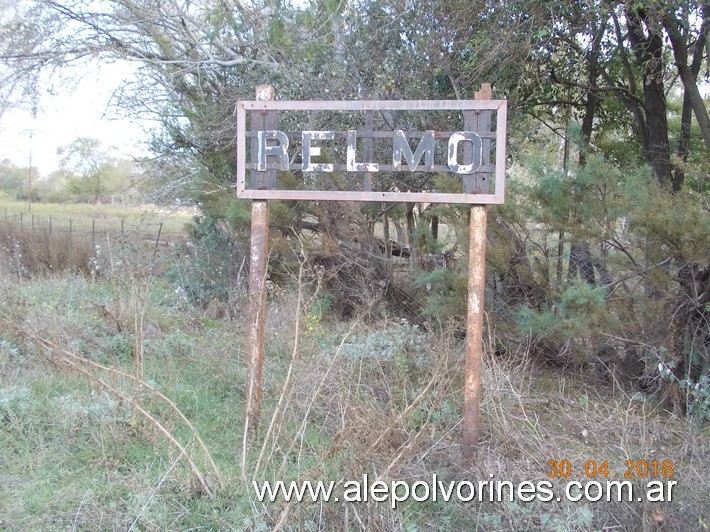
[(500, 106)]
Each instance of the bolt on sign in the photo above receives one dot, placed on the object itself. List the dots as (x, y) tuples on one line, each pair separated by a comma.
[(359, 150)]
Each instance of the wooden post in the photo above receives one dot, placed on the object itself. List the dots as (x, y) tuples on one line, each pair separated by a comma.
[(157, 238), (474, 322), (258, 262)]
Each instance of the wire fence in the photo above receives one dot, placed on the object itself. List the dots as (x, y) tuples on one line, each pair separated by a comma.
[(36, 242), (81, 225), (380, 276)]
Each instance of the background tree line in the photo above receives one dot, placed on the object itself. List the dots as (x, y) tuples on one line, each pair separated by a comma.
[(602, 249), (86, 173)]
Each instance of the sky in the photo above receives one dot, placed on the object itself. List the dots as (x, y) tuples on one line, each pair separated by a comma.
[(76, 109)]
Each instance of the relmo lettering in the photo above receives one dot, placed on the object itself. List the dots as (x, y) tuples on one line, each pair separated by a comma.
[(275, 144), (352, 150)]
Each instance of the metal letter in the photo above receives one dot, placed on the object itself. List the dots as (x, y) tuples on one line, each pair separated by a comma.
[(351, 165), (279, 150), (400, 146), (454, 141), (309, 151)]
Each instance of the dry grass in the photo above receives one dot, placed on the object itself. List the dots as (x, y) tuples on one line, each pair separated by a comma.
[(376, 415), (345, 400), (29, 253)]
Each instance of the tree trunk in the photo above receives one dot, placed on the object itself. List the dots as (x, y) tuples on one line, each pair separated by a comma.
[(413, 255), (649, 56), (689, 74), (580, 262), (683, 143), (386, 231)]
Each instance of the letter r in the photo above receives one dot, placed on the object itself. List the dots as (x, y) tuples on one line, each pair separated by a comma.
[(279, 150)]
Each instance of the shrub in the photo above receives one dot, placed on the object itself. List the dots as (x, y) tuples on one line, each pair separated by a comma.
[(209, 269), (580, 309)]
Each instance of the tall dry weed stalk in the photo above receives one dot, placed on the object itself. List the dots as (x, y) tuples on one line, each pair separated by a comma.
[(132, 272), (276, 423)]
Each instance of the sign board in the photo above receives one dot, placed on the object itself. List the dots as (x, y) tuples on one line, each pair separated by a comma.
[(359, 150), (372, 151)]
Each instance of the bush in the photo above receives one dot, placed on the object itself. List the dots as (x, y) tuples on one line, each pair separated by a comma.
[(208, 271), (580, 310)]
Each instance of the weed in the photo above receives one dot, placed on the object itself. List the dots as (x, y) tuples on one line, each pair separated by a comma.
[(86, 443), (697, 392)]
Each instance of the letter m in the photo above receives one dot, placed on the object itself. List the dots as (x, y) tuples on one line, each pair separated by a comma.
[(400, 147)]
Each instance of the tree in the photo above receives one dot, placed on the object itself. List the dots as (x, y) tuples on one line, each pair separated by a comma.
[(680, 32), (13, 179), (93, 173)]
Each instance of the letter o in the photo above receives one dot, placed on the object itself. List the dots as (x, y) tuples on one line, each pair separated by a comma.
[(476, 153), (471, 488), (420, 498)]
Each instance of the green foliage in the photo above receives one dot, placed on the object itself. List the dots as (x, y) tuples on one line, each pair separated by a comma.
[(679, 221), (89, 173), (55, 187), (424, 239), (399, 341), (445, 293), (206, 273), (238, 213), (581, 199), (13, 179), (446, 183), (697, 391), (323, 304), (580, 309)]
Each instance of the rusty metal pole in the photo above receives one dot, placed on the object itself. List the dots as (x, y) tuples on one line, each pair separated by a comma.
[(258, 259), (474, 331), (474, 322)]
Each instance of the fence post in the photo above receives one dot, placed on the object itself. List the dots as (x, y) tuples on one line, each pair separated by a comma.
[(93, 231), (157, 241), (71, 243), (33, 221), (50, 226), (20, 220)]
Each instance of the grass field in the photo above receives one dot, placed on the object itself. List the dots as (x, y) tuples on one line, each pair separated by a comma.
[(82, 217), (85, 446)]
